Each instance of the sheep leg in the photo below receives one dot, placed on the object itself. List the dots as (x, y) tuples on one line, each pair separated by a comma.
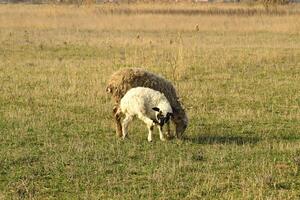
[(161, 135), (150, 130), (174, 134), (125, 123), (117, 117), (150, 124), (168, 129)]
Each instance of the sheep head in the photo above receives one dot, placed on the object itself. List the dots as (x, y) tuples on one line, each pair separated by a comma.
[(180, 120), (161, 119)]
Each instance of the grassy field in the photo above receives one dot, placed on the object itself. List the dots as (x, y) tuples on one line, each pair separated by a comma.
[(237, 74)]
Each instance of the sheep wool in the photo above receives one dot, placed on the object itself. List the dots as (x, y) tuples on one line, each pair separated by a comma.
[(147, 104)]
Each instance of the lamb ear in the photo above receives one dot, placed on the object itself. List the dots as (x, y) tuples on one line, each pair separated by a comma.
[(156, 109)]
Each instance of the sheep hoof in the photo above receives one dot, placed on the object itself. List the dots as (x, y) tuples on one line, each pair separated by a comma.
[(119, 134), (170, 137), (163, 139)]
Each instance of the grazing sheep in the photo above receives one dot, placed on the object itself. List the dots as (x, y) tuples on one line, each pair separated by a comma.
[(124, 79), (148, 105)]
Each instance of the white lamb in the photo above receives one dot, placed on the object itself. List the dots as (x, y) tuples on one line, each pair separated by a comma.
[(149, 105)]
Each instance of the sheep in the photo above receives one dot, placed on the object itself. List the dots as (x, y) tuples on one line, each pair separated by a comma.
[(148, 105), (126, 78)]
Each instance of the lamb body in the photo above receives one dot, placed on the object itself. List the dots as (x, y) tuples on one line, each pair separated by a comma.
[(149, 105), (124, 79)]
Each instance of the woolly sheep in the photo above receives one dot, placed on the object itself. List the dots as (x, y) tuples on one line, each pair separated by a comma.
[(148, 105), (124, 79)]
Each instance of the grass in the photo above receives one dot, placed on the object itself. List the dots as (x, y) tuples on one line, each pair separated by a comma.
[(238, 77)]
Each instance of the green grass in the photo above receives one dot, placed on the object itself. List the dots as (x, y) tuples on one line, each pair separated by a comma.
[(239, 81)]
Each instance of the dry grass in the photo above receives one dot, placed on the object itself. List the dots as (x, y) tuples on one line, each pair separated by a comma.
[(237, 75)]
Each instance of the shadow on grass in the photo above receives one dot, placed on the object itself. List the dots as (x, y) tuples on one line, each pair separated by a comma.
[(223, 139)]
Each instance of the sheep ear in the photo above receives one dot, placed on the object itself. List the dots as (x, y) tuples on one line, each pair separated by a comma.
[(155, 109)]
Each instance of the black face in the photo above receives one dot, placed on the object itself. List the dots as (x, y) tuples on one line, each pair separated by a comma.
[(161, 119)]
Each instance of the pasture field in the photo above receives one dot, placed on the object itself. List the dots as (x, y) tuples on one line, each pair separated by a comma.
[(238, 74)]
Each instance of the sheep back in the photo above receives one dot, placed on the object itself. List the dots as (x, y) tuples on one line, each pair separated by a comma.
[(124, 79)]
